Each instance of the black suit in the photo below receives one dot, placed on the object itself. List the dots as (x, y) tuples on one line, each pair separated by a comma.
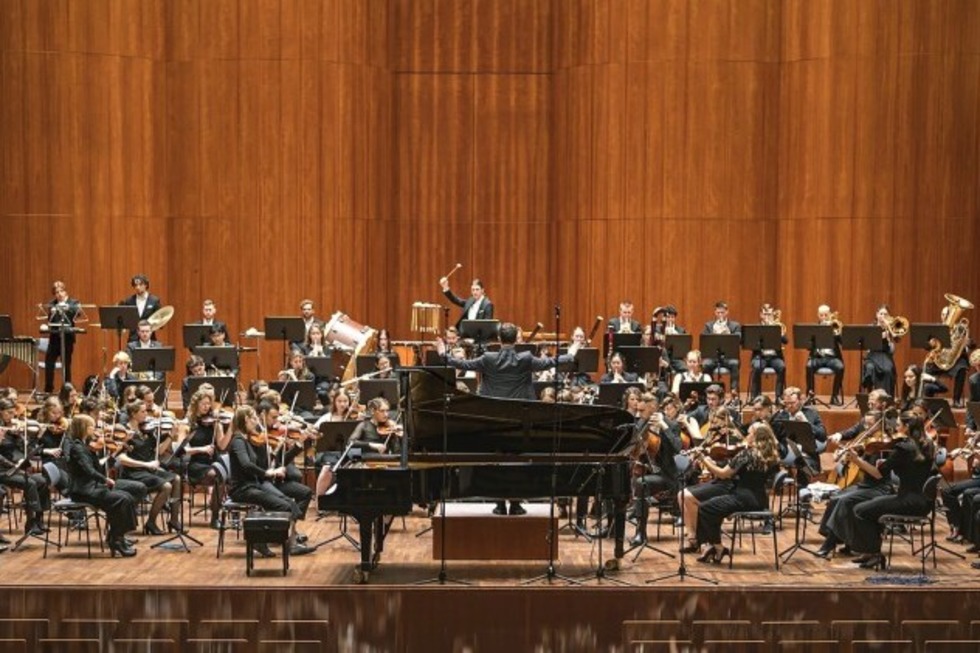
[(974, 396), (485, 312), (153, 304), (761, 361), (819, 435), (710, 364), (507, 373), (834, 363), (88, 485), (615, 324), (56, 319)]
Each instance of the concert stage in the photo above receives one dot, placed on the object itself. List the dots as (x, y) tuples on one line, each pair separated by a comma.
[(168, 600)]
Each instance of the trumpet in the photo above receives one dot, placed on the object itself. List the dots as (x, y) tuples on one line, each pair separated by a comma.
[(775, 318), (836, 324)]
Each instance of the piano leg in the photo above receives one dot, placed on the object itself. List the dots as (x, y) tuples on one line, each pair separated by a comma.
[(619, 528)]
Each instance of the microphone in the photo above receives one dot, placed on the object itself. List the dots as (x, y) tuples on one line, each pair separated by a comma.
[(557, 311)]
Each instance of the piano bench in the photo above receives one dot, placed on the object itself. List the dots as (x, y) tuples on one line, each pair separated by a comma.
[(473, 532), (266, 528)]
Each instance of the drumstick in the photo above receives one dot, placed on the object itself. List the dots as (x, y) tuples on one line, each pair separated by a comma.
[(458, 266)]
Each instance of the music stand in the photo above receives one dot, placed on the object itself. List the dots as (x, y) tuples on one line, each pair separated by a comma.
[(862, 401), (974, 409), (677, 345), (367, 363), (799, 435), (224, 386), (334, 436), (700, 387), (220, 358), (303, 389), (586, 361), (196, 334), (159, 391), (611, 394), (433, 359), (860, 338), (920, 335), (531, 347), (157, 360), (331, 365), (944, 419), (387, 388), (721, 347), (641, 360), (119, 318), (620, 340), (761, 337), (479, 330), (288, 329), (6, 328)]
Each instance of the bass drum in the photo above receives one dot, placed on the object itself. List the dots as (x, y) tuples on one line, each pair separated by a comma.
[(342, 332)]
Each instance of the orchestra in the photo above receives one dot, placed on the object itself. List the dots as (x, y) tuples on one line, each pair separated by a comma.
[(251, 454)]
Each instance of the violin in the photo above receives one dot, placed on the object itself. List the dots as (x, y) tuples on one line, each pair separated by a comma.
[(223, 417), (390, 428)]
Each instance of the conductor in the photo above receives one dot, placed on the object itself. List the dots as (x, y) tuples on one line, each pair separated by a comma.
[(507, 374)]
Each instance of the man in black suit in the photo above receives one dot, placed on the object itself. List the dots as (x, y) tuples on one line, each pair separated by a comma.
[(794, 410), (144, 340), (831, 359), (208, 312), (722, 325), (625, 322), (145, 303), (507, 374), (477, 307)]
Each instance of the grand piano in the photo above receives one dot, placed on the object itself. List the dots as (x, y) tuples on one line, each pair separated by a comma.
[(481, 447)]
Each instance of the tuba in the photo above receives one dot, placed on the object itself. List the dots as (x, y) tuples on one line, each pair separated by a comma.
[(959, 333)]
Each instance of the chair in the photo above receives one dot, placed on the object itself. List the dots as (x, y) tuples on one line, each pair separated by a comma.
[(235, 510), (780, 504), (894, 523), (823, 372), (65, 507), (751, 518)]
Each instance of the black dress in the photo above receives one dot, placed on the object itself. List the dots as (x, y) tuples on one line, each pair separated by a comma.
[(200, 463), (749, 493), (143, 450), (249, 484), (88, 485)]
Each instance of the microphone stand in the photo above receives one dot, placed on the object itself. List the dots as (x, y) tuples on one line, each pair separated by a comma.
[(182, 536), (550, 572), (682, 572)]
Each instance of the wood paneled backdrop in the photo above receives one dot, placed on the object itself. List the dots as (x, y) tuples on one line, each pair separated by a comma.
[(565, 151)]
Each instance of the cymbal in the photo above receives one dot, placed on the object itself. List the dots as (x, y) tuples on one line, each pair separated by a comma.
[(160, 318)]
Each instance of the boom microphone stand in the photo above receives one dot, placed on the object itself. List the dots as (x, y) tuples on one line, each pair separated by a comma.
[(550, 572)]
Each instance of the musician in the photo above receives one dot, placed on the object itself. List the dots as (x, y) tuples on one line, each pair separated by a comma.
[(51, 441), (912, 460), (660, 433), (692, 373), (384, 342), (62, 312), (719, 326), (145, 339), (616, 372), (297, 370), (145, 303), (832, 359), (631, 401), (15, 455), (507, 373), (913, 385), (375, 431), (624, 322), (89, 484), (70, 399), (308, 313), (340, 409), (794, 410), (283, 455), (142, 463), (208, 312), (477, 307), (250, 482), (578, 380), (750, 468), (959, 498), (879, 363), (314, 345), (195, 368), (383, 368), (974, 388), (208, 436), (665, 324), (218, 337), (722, 430), (836, 525), (771, 358)]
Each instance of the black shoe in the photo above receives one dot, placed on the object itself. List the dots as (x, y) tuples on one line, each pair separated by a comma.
[(120, 547), (975, 564), (34, 530), (973, 549), (690, 548), (174, 527), (150, 528), (215, 525), (129, 541), (845, 551), (876, 561), (500, 509), (263, 551), (826, 552), (301, 539), (517, 509), (708, 556), (724, 553)]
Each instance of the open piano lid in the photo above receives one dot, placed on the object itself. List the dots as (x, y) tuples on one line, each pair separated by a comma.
[(478, 424)]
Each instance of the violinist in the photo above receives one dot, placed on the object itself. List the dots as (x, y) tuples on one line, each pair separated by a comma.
[(376, 431), (749, 468), (15, 453), (703, 413), (837, 522), (195, 368), (90, 484), (794, 410), (249, 481), (340, 409), (771, 358), (51, 440), (721, 430), (208, 436), (911, 459), (283, 443), (693, 373), (960, 498), (879, 362), (142, 463), (722, 325), (658, 440)]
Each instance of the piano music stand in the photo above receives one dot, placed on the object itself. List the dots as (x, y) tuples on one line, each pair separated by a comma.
[(860, 338), (335, 436)]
